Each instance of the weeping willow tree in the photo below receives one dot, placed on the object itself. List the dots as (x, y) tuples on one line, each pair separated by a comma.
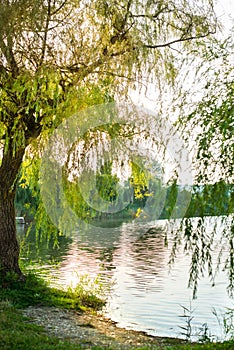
[(207, 123), (51, 49)]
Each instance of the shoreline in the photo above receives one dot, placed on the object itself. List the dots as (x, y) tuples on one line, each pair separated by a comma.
[(91, 329)]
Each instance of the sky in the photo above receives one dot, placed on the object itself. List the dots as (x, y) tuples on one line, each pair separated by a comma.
[(151, 98), (225, 10), (225, 13)]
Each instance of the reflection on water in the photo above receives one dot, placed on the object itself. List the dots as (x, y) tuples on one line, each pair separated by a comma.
[(146, 293)]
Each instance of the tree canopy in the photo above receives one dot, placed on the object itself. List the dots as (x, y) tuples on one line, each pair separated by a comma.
[(49, 46), (208, 120), (59, 56)]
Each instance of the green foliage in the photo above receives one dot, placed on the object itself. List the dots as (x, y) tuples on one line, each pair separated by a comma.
[(217, 124), (170, 200), (215, 199), (226, 322), (36, 291), (145, 188), (210, 120), (28, 200), (106, 183), (91, 293), (101, 190), (39, 247), (32, 106), (46, 61), (59, 57), (186, 329), (139, 181), (206, 121)]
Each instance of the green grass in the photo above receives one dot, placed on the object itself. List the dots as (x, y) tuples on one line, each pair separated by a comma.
[(17, 333), (35, 291)]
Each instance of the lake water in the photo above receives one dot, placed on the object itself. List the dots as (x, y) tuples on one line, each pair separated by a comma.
[(146, 293)]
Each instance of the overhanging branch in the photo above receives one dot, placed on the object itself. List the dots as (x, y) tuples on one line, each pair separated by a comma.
[(169, 43)]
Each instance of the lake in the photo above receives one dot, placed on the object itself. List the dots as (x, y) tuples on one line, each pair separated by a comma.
[(146, 292)]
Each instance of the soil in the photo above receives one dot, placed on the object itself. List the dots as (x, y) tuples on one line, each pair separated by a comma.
[(89, 329)]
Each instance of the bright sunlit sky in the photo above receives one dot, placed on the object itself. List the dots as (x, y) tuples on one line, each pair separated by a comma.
[(225, 13), (225, 10), (151, 99)]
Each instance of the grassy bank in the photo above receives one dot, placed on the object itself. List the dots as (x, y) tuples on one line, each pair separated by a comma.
[(36, 291), (17, 333)]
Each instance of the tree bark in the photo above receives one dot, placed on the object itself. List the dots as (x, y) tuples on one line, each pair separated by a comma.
[(9, 246)]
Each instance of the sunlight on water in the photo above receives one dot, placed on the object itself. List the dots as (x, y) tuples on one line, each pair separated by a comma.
[(145, 293)]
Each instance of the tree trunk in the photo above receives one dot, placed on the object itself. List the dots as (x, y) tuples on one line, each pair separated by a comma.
[(9, 246)]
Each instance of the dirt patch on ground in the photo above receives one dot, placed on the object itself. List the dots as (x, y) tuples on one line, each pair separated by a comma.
[(88, 329)]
